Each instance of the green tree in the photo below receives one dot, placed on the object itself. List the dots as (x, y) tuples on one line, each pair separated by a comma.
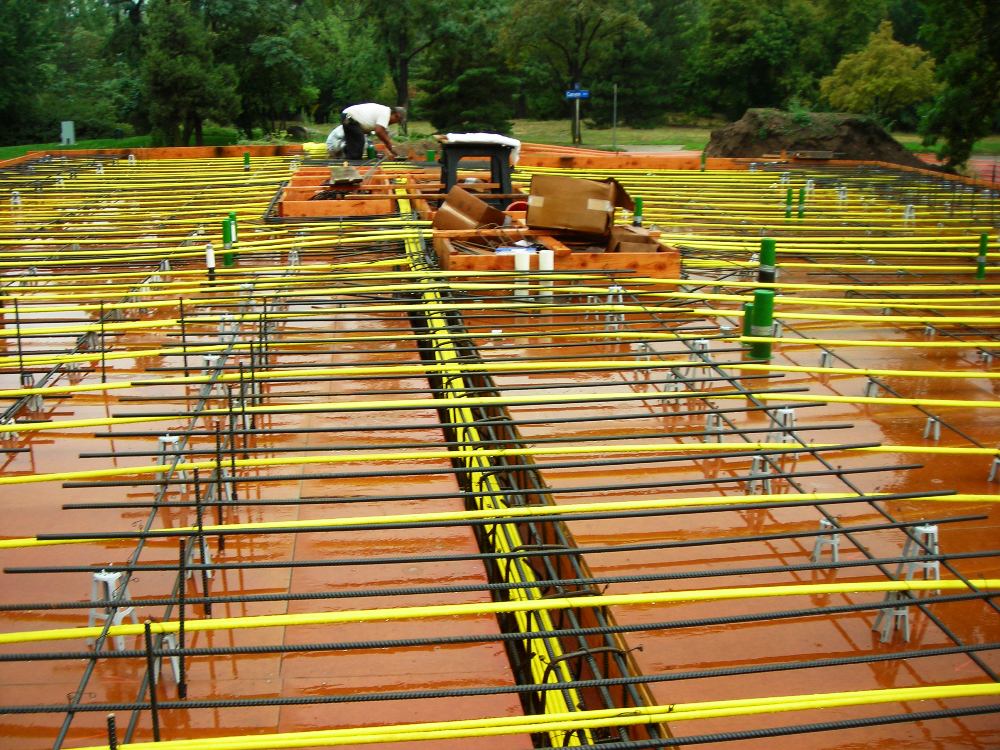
[(274, 83), (747, 53), (823, 31), (235, 24), (123, 50), (85, 84), (884, 79), (841, 27), (650, 70), (907, 17), (251, 36), (569, 36), (184, 84), (771, 53), (83, 87), (477, 99), (25, 43), (344, 60), (128, 26), (405, 30), (965, 39), (466, 87)]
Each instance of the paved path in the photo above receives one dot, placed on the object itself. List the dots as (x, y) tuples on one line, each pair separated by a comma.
[(646, 149)]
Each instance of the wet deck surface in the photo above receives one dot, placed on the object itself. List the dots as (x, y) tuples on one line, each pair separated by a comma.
[(303, 497), (688, 652)]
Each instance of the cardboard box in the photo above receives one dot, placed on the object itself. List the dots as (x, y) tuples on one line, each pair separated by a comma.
[(629, 239), (462, 210), (558, 202)]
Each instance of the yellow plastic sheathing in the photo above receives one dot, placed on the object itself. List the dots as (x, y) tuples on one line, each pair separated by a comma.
[(502, 511), (501, 367), (520, 605), (569, 722), (545, 653)]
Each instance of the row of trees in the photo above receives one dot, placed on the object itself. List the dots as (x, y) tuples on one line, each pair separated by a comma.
[(168, 66)]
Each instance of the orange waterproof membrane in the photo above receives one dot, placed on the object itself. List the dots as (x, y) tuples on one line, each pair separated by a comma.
[(260, 564), (250, 682), (351, 490), (821, 649), (776, 546)]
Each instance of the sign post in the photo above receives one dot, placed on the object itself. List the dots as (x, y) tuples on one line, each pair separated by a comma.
[(614, 119), (577, 135), (577, 94)]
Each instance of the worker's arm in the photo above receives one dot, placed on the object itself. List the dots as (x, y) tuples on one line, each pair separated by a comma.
[(383, 135)]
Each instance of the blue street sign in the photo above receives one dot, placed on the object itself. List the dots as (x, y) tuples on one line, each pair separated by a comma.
[(578, 94)]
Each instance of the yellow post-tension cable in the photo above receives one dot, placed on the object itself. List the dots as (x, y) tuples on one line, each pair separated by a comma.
[(434, 611), (305, 345), (242, 274), (252, 317), (443, 274), (879, 269), (530, 307), (263, 291), (497, 726), (798, 247), (306, 286), (526, 366), (496, 511), (866, 371), (976, 344), (265, 275), (158, 253), (876, 400), (546, 655), (31, 297), (798, 285), (437, 455), (365, 370)]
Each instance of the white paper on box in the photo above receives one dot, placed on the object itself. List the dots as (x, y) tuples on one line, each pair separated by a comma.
[(598, 204)]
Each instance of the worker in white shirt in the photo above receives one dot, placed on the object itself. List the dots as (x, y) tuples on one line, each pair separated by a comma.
[(369, 117)]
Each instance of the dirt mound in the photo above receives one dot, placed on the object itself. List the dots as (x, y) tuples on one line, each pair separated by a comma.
[(771, 131), (416, 149)]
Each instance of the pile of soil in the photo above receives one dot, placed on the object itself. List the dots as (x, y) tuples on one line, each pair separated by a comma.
[(416, 150), (771, 131)]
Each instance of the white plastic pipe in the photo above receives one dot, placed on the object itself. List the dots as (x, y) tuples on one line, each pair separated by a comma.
[(522, 264), (546, 262)]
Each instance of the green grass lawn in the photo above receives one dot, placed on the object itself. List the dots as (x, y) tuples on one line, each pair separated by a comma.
[(555, 132), (989, 146), (137, 141), (214, 136)]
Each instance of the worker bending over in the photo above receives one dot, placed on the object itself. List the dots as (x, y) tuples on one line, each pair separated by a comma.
[(360, 119)]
